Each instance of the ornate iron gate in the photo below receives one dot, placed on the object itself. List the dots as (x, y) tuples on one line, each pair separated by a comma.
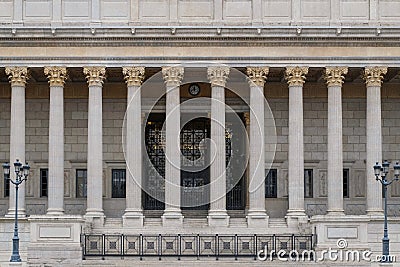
[(195, 157)]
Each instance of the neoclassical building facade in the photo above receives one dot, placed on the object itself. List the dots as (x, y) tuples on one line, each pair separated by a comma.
[(197, 128)]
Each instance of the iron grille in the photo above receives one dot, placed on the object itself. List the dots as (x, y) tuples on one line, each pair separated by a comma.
[(95, 245)]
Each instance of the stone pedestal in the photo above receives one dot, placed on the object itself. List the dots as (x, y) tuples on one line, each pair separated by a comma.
[(218, 218), (172, 218), (55, 240)]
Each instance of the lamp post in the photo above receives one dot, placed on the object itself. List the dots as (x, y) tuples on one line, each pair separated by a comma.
[(21, 174), (381, 176)]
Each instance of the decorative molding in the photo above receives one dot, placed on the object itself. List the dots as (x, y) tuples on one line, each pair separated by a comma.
[(133, 76), (373, 76), (56, 75), (257, 75), (334, 76), (296, 76), (18, 76), (218, 75), (95, 75), (172, 75)]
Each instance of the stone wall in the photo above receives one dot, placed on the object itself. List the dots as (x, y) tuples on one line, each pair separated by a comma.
[(243, 12)]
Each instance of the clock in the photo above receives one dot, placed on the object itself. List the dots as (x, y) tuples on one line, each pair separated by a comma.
[(194, 89)]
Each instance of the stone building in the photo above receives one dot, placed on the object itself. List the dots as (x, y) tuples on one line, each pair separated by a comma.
[(93, 93)]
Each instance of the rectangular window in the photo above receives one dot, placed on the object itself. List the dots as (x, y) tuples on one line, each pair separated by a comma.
[(271, 184), (6, 188), (81, 183), (43, 182), (118, 183), (308, 183), (346, 192)]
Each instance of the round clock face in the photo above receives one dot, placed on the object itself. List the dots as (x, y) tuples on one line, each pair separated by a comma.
[(194, 89)]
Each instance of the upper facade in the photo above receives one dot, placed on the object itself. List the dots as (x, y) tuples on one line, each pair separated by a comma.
[(57, 13)]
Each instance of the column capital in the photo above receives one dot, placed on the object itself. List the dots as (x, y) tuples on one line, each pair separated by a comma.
[(218, 75), (172, 75), (296, 76), (334, 76), (373, 76), (95, 75), (257, 75), (56, 75), (133, 75), (18, 76)]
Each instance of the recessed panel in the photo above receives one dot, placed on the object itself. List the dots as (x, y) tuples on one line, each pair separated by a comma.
[(195, 10), (237, 10), (76, 9), (154, 10), (354, 9), (314, 9), (6, 9), (389, 9), (277, 9), (38, 9), (114, 9)]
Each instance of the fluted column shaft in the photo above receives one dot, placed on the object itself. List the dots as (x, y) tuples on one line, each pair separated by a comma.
[(257, 77), (133, 151), (335, 77), (296, 78), (95, 77), (373, 78), (56, 77), (18, 77), (172, 213), (217, 213)]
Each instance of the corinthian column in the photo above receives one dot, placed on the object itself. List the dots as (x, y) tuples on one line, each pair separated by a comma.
[(18, 77), (217, 215), (334, 77), (373, 77), (133, 151), (172, 214), (295, 77), (257, 216), (95, 77), (56, 77)]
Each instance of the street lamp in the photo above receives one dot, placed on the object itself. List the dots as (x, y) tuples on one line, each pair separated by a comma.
[(21, 174), (382, 171)]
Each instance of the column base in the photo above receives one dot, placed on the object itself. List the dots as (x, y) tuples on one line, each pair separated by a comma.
[(218, 218), (133, 218), (335, 213), (294, 218), (11, 213), (172, 218), (96, 217), (378, 212), (55, 212), (257, 219), (13, 264)]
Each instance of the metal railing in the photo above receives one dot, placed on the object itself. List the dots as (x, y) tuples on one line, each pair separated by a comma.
[(235, 246)]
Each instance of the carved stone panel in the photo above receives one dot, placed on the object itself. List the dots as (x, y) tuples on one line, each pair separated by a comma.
[(29, 184), (283, 183), (67, 183), (359, 183), (323, 183)]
